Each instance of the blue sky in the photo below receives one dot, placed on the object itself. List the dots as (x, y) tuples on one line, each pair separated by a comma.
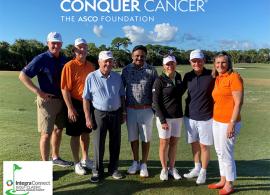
[(224, 24)]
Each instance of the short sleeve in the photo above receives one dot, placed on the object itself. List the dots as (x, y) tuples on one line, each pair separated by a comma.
[(86, 91), (66, 80), (236, 82), (33, 68)]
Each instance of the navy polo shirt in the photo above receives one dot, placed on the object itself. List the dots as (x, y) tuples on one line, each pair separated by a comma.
[(48, 70), (199, 102)]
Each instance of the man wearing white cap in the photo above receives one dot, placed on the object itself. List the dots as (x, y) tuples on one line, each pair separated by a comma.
[(72, 84), (199, 84), (167, 103), (50, 105), (104, 89)]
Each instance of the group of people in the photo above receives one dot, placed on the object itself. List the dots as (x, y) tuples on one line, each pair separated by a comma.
[(74, 95)]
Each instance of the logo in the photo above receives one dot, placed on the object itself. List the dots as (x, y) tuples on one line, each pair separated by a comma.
[(27, 177)]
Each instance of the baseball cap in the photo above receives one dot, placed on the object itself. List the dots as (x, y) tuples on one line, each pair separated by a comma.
[(169, 59), (104, 55), (140, 47), (54, 37), (79, 41), (197, 53)]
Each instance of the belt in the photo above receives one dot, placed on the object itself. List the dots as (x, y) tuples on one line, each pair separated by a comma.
[(146, 106)]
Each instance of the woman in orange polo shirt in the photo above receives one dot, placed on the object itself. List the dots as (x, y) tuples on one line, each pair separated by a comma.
[(228, 99)]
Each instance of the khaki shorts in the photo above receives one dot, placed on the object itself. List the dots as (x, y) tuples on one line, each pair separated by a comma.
[(51, 114)]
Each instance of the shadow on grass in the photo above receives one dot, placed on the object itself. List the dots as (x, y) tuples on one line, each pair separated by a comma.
[(60, 173), (256, 173)]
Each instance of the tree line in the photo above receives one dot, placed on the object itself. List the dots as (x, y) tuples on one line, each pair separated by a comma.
[(15, 56)]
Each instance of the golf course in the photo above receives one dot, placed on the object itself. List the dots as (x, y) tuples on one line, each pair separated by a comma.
[(19, 141)]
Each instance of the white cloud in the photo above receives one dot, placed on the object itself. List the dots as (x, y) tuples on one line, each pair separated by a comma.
[(97, 30), (135, 33), (162, 33)]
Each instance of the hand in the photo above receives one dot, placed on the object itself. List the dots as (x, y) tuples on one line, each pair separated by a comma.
[(230, 130), (165, 126), (89, 123), (72, 115), (44, 95)]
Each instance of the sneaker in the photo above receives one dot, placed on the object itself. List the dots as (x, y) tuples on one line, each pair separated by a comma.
[(193, 173), (144, 171), (174, 173), (87, 164), (163, 175), (79, 170), (133, 168), (94, 178), (62, 163), (201, 178), (117, 175)]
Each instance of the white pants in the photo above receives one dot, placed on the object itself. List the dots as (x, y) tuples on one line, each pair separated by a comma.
[(225, 149)]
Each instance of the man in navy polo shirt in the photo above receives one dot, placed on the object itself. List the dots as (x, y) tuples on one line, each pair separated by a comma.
[(198, 114), (50, 105)]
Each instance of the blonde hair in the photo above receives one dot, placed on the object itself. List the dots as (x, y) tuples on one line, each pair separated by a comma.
[(229, 62)]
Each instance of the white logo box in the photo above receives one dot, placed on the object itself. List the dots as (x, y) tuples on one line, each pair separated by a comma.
[(27, 177)]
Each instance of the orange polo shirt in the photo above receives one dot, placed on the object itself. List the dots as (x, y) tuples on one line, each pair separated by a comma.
[(222, 95), (73, 77)]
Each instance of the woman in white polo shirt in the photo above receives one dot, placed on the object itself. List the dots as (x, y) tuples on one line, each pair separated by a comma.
[(167, 104)]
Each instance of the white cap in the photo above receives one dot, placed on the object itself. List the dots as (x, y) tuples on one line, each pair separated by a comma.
[(169, 59), (54, 37), (79, 41), (196, 54), (104, 55)]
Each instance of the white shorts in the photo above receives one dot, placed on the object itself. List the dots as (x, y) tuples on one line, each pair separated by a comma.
[(140, 122), (199, 131), (175, 126)]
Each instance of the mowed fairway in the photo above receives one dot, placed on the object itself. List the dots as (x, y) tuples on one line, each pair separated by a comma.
[(19, 141)]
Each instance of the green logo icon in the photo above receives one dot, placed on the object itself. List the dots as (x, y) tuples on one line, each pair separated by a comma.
[(13, 191)]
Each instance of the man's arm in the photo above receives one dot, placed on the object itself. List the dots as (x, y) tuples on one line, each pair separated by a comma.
[(87, 114), (72, 113), (32, 87)]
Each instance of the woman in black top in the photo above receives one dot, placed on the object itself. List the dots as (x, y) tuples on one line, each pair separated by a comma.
[(167, 104)]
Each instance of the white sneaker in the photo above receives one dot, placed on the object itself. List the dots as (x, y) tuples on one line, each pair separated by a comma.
[(144, 171), (79, 170), (134, 168), (87, 164), (201, 178), (174, 173), (193, 173), (163, 175)]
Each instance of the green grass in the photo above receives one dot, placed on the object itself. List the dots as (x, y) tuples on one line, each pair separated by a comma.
[(19, 141)]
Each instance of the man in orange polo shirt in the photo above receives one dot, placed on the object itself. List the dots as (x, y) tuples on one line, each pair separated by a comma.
[(72, 85)]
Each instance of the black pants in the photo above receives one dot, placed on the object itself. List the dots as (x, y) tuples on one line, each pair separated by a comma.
[(107, 121)]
